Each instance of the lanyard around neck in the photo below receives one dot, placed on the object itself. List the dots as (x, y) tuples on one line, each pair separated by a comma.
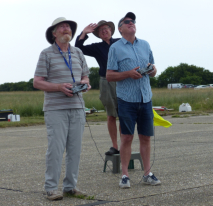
[(70, 62)]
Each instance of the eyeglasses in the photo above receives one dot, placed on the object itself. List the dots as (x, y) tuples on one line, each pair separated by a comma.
[(64, 26), (127, 22), (102, 29)]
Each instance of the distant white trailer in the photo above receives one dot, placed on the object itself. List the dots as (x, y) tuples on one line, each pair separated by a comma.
[(210, 85), (175, 86)]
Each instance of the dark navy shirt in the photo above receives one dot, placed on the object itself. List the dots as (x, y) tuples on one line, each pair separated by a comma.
[(97, 50)]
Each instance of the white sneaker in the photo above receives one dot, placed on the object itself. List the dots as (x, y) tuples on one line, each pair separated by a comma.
[(150, 179), (125, 182)]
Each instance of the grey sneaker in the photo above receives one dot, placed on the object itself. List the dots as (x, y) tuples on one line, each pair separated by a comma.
[(125, 182), (74, 192), (151, 180), (54, 195)]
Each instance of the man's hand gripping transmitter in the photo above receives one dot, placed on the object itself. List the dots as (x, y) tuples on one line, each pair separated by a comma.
[(79, 88), (143, 71)]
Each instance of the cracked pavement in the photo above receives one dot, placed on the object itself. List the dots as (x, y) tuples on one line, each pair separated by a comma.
[(181, 157)]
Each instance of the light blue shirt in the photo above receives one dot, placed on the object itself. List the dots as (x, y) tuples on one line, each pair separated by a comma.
[(124, 56)]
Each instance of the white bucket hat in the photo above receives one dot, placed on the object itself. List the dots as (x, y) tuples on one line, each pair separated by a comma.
[(73, 26)]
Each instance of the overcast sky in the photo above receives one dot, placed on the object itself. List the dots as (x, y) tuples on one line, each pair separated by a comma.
[(178, 31)]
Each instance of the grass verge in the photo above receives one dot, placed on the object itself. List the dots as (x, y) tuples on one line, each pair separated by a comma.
[(24, 122), (94, 117), (39, 120), (29, 104)]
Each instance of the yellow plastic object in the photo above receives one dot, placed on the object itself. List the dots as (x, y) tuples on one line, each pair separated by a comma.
[(159, 121)]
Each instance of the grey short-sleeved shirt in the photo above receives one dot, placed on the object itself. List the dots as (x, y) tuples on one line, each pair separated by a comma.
[(51, 65)]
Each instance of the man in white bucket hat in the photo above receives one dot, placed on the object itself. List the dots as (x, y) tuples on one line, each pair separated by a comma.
[(59, 68)]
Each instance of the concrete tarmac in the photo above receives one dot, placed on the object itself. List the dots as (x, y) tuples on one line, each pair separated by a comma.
[(182, 158)]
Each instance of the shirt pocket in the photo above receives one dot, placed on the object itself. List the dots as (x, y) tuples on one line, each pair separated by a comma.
[(127, 64)]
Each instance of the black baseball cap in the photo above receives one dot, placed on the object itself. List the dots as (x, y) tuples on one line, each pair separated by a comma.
[(130, 15)]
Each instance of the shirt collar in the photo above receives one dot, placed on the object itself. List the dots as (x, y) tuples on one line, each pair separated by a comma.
[(111, 41), (125, 41)]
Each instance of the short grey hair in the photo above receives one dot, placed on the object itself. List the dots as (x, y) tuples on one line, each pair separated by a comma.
[(53, 31), (120, 24)]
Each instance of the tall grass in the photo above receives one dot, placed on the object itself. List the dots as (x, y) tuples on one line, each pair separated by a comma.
[(30, 103), (91, 99), (200, 100), (24, 103)]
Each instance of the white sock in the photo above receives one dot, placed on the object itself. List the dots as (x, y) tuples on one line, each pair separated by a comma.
[(150, 174), (124, 176)]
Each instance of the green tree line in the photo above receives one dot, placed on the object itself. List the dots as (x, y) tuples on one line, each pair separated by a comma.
[(183, 73), (18, 86), (186, 74)]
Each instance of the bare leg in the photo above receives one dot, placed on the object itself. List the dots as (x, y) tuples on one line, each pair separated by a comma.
[(111, 122), (145, 149), (125, 152)]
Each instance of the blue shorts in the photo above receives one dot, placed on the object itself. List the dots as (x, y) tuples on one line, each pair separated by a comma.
[(141, 113)]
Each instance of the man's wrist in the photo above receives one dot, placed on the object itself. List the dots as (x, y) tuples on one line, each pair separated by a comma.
[(59, 87), (84, 33), (82, 36)]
